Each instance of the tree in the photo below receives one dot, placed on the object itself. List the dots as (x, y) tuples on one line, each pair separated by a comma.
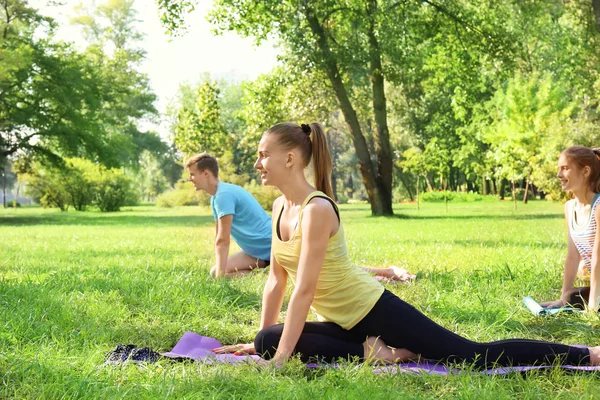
[(114, 49), (150, 178), (311, 37), (200, 128), (50, 96)]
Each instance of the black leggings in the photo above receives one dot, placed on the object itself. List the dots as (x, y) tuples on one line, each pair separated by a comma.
[(578, 297), (400, 325)]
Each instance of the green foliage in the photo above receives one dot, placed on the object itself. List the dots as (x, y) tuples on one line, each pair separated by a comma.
[(113, 190), (184, 194), (265, 195), (468, 197), (47, 186), (58, 102), (80, 183), (13, 203), (484, 90), (150, 179), (172, 14), (200, 128)]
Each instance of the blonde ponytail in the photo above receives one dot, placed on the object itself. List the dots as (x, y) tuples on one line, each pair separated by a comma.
[(321, 159)]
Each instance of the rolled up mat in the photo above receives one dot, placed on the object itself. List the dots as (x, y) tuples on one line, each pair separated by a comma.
[(538, 309)]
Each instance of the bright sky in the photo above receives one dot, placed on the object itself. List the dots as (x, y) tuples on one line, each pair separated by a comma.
[(171, 61)]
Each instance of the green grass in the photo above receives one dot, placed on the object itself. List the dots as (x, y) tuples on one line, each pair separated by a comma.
[(73, 285)]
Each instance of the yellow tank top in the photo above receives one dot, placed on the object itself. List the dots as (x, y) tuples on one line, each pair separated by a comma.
[(345, 293)]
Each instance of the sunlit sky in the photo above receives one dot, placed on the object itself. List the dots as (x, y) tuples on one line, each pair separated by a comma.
[(174, 60)]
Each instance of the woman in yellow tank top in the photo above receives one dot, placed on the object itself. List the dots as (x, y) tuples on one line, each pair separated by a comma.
[(357, 316)]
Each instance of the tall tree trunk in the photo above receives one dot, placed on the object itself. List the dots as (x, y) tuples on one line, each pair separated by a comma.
[(514, 194), (501, 189), (407, 187), (17, 194), (526, 194), (350, 186), (3, 188), (382, 144), (445, 186), (484, 188), (379, 204), (596, 8), (418, 184)]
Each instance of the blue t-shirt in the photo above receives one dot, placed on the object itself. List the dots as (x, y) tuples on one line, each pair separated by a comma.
[(251, 226)]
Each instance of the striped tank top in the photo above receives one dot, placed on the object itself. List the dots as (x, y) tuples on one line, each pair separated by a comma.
[(584, 234)]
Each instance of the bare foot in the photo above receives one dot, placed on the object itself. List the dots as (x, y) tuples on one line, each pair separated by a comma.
[(595, 355), (377, 351)]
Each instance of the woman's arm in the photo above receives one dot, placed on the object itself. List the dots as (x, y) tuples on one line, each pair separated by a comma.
[(319, 222), (273, 294), (271, 302), (594, 300), (571, 261), (570, 268)]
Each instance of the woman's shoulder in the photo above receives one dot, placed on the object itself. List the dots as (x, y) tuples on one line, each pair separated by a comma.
[(320, 208)]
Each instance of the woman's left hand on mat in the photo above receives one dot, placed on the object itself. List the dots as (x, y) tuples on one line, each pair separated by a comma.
[(236, 349)]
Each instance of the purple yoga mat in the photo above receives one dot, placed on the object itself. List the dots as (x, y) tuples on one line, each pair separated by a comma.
[(199, 348)]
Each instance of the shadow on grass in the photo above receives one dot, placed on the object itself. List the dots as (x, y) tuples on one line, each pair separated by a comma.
[(105, 220)]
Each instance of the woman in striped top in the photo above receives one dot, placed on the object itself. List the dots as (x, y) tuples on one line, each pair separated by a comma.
[(357, 317), (579, 173)]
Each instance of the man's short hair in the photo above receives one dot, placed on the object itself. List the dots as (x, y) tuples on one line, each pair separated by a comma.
[(204, 162)]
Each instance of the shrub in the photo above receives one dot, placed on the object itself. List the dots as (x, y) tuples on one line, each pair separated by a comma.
[(11, 203), (183, 195), (113, 190), (265, 195), (357, 201), (438, 197), (47, 187), (78, 182)]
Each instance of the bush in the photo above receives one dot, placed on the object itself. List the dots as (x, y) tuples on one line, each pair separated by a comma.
[(357, 201), (265, 195), (438, 197), (79, 183), (183, 195), (113, 190), (47, 187), (11, 203)]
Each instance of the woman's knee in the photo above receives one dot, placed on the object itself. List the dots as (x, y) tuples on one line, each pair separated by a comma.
[(267, 340)]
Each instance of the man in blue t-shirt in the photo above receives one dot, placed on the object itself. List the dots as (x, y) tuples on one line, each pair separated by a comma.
[(237, 214)]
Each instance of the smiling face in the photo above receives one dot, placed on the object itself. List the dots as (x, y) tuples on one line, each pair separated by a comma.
[(199, 179), (572, 178), (273, 161)]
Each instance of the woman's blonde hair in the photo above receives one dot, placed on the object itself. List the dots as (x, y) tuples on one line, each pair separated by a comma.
[(311, 140)]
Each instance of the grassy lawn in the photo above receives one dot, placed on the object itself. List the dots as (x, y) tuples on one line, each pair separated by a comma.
[(73, 285)]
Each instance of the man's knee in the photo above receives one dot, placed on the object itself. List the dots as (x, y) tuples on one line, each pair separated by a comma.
[(267, 340)]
